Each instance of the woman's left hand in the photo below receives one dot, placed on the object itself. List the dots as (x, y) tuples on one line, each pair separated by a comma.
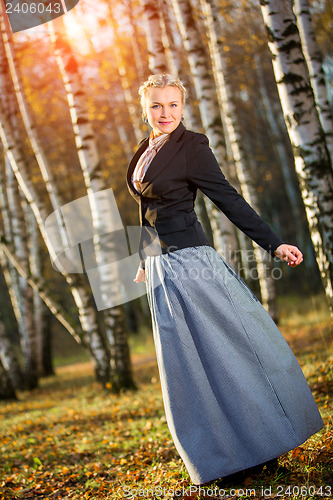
[(290, 254)]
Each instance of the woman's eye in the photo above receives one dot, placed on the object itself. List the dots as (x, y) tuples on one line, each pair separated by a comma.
[(173, 105), (155, 106)]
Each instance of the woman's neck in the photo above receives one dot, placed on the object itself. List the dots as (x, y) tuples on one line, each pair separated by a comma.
[(156, 133)]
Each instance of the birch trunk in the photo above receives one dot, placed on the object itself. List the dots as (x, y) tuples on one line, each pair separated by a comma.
[(10, 262), (45, 295), (223, 230), (19, 239), (82, 299), (92, 336), (232, 128), (41, 313), (314, 61), (12, 277), (124, 81), (313, 165), (157, 58), (27, 118), (104, 221), (7, 354), (140, 70), (16, 232), (7, 390), (176, 55), (281, 152), (46, 319)]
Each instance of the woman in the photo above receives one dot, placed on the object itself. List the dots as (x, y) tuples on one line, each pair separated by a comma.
[(234, 393)]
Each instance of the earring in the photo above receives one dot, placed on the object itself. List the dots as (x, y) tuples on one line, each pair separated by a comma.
[(146, 120), (182, 118)]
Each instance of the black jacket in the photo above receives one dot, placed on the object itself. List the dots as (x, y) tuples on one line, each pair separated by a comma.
[(166, 202)]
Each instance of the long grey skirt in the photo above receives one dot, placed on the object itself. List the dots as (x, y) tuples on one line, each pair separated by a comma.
[(233, 392)]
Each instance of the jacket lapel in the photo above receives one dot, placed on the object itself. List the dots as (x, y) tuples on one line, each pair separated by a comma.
[(160, 161), (163, 157), (142, 147)]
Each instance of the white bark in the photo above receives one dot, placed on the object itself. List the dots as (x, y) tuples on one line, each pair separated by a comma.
[(7, 354), (16, 233), (138, 60), (176, 55), (7, 390), (232, 129), (314, 61), (10, 275), (104, 219), (41, 288), (44, 355), (124, 79), (57, 241), (313, 165), (157, 58), (26, 115), (281, 152), (80, 294), (19, 239), (223, 230)]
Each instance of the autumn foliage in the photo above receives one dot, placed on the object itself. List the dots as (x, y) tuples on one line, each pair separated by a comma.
[(69, 440)]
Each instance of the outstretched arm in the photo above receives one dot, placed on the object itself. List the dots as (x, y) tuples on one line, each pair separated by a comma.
[(205, 173)]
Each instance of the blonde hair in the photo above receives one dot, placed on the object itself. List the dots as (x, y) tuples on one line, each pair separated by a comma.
[(160, 80)]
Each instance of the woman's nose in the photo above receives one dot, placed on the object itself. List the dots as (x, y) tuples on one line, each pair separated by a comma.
[(164, 112)]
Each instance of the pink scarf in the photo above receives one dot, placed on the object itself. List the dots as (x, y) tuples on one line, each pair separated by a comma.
[(146, 158)]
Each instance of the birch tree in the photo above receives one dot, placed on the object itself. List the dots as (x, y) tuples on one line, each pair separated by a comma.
[(312, 161), (88, 321), (314, 61), (7, 355), (19, 237), (7, 390), (140, 70), (87, 313), (20, 293), (15, 230), (41, 287), (102, 213), (178, 65), (124, 80), (157, 58), (280, 148), (41, 312), (223, 230), (232, 129)]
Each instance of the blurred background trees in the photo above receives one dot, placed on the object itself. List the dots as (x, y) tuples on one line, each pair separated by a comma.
[(70, 121)]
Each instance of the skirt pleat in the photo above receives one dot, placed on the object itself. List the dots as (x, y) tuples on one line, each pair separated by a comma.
[(233, 391)]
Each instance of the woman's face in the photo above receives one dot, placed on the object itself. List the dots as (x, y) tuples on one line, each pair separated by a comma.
[(164, 109)]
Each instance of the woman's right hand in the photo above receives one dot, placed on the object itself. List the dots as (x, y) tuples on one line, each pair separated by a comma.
[(140, 275)]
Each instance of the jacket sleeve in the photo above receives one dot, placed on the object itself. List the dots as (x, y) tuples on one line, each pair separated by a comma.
[(142, 264), (205, 173)]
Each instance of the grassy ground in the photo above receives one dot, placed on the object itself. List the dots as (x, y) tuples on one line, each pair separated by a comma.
[(69, 439)]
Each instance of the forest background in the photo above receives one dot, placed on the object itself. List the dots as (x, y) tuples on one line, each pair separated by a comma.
[(70, 122)]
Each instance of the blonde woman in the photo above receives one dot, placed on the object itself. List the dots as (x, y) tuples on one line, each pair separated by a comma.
[(234, 394)]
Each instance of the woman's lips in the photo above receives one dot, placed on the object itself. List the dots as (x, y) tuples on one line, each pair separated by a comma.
[(165, 123)]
